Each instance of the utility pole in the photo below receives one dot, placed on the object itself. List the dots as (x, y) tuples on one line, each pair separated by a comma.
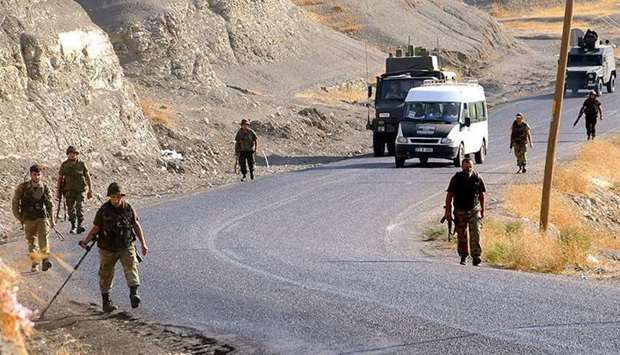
[(557, 112)]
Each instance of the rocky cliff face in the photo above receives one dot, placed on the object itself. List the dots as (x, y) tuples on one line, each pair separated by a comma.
[(61, 84), (171, 40)]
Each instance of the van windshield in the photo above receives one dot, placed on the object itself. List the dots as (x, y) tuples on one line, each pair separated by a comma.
[(448, 112)]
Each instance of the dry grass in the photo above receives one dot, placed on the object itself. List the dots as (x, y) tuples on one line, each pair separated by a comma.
[(548, 19), (348, 93), (14, 319), (585, 8), (157, 113), (331, 14), (523, 248)]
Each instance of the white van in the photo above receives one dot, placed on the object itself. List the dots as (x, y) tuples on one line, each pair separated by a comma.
[(446, 120)]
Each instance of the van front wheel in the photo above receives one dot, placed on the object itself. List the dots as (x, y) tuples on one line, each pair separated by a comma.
[(460, 155), (482, 153), (400, 162)]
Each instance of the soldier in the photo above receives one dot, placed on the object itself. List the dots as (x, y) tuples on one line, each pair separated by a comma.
[(245, 147), (33, 206), (593, 109), (467, 189), (520, 136), (117, 226), (73, 178)]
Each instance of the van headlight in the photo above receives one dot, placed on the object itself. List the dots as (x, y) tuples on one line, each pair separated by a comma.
[(402, 140), (591, 76), (447, 141)]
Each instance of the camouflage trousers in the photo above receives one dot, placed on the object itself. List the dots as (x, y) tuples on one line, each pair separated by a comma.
[(37, 236), (75, 207), (107, 264), (521, 154), (464, 221)]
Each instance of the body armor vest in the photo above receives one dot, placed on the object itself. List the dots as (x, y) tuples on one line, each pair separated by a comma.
[(116, 230), (32, 208)]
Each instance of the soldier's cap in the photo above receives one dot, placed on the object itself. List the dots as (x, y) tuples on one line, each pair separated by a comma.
[(520, 114), (593, 92), (244, 122), (115, 189), (71, 149)]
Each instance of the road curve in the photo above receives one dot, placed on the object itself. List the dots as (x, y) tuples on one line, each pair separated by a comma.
[(328, 261)]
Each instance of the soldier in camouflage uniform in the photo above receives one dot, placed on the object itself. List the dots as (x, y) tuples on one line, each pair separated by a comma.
[(245, 147), (467, 190), (520, 137), (73, 179), (33, 207), (116, 226)]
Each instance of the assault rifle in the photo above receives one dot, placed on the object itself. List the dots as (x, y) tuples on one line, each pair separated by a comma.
[(450, 226)]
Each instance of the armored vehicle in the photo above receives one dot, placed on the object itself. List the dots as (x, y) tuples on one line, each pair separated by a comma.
[(402, 74), (591, 65)]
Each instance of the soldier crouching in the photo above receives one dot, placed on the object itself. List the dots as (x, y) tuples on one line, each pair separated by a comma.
[(116, 226)]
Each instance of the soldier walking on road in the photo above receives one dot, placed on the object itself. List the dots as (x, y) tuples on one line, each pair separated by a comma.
[(33, 207), (116, 226), (593, 109), (73, 178), (520, 137), (467, 190), (245, 147)]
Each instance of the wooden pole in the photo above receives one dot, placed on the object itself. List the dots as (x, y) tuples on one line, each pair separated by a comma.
[(557, 112)]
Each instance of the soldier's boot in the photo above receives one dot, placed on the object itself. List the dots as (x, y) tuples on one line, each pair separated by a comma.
[(106, 303), (251, 174), (46, 265), (523, 169), (80, 229), (243, 178), (134, 297), (463, 260), (476, 261), (34, 267), (73, 228)]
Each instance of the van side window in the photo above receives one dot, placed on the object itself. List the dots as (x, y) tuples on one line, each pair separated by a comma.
[(472, 112), (480, 112)]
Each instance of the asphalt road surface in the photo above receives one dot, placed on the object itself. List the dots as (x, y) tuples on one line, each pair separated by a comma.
[(330, 260)]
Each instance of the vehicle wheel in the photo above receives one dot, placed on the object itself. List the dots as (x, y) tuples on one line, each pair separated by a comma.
[(423, 160), (391, 147), (482, 153), (599, 87), (378, 145), (400, 162), (611, 85), (460, 155)]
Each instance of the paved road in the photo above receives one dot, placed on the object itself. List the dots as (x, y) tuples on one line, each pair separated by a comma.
[(329, 260)]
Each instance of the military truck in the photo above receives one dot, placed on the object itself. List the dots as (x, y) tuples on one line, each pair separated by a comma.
[(402, 73), (591, 65)]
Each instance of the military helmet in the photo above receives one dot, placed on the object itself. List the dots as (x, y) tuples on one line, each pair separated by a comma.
[(244, 122), (71, 149), (114, 189)]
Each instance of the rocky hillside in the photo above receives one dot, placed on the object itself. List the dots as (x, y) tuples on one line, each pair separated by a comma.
[(463, 34), (60, 79)]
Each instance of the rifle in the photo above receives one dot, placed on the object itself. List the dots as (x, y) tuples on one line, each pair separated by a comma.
[(450, 226), (576, 121)]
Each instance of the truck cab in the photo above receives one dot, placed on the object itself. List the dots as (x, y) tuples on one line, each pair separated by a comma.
[(591, 66)]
